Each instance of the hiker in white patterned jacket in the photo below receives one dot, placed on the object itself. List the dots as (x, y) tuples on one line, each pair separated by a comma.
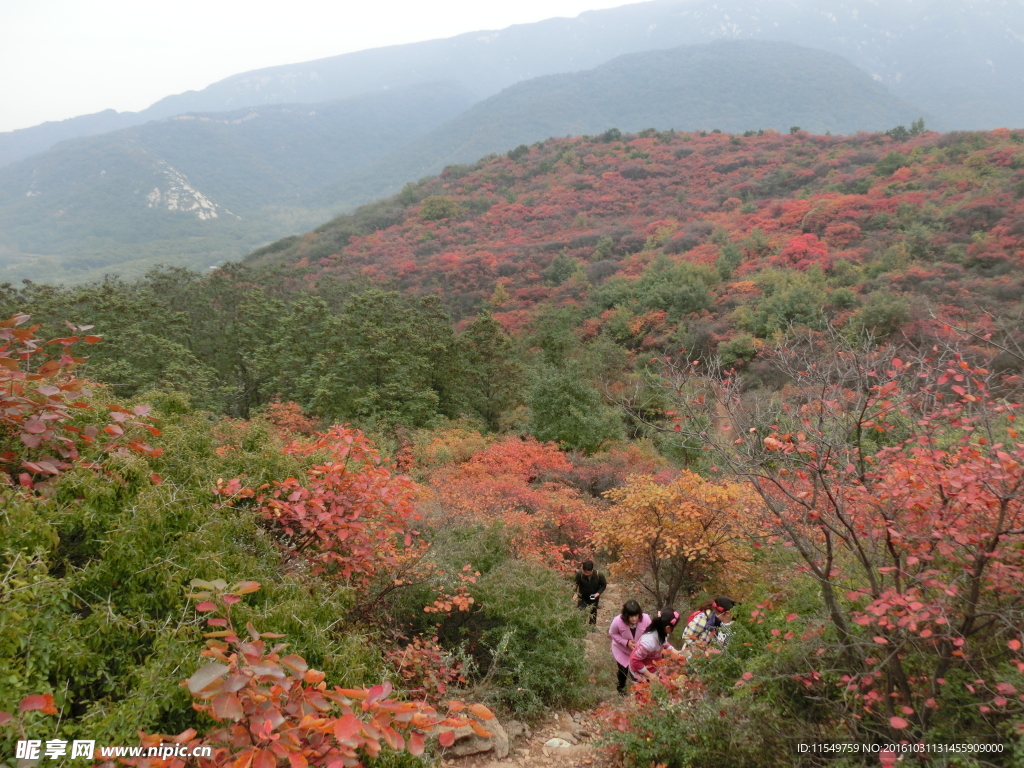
[(711, 623)]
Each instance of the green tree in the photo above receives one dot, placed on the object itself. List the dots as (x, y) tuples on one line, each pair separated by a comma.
[(882, 315), (757, 243), (384, 357), (566, 409), (729, 257), (891, 163), (603, 249), (521, 151), (677, 288), (739, 348), (554, 332), (489, 379), (561, 269), (788, 297), (199, 335), (438, 207)]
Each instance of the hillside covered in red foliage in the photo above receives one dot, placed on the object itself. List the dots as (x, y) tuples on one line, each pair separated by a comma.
[(733, 235)]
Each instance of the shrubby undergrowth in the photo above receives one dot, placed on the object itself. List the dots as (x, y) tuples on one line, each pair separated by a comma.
[(98, 557)]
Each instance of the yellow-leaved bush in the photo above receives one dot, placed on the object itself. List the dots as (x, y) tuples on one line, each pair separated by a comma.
[(678, 535)]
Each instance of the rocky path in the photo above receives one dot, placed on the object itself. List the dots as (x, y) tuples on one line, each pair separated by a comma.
[(579, 729)]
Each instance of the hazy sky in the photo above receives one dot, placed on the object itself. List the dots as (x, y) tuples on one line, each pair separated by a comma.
[(62, 58)]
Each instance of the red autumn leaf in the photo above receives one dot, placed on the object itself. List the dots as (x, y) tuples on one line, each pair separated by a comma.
[(481, 711), (416, 745), (206, 677), (43, 702), (347, 726), (393, 738), (227, 706), (295, 663), (378, 692), (263, 758), (479, 729)]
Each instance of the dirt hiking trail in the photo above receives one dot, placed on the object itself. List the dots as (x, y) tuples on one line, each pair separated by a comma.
[(580, 728)]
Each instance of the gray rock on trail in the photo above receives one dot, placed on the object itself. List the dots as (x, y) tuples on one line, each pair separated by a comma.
[(565, 736), (467, 742), (577, 729), (555, 743), (515, 729), (570, 750)]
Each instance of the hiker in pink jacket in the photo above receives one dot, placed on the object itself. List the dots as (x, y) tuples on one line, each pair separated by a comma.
[(625, 631), (652, 644)]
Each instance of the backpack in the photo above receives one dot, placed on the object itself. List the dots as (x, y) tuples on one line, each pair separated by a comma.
[(713, 621)]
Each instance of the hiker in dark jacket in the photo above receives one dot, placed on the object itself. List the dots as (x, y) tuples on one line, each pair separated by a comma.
[(589, 586)]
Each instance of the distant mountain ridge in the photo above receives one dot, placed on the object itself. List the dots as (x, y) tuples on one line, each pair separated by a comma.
[(957, 59), (198, 189), (730, 86)]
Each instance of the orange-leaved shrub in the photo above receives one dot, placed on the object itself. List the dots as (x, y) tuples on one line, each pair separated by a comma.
[(39, 400), (521, 484), (676, 534), (270, 709), (897, 477), (350, 517)]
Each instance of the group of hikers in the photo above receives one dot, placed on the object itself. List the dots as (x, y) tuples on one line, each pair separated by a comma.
[(639, 641)]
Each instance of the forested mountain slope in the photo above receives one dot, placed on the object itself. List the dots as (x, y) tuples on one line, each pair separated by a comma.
[(601, 251), (731, 86), (957, 59), (197, 189), (707, 241)]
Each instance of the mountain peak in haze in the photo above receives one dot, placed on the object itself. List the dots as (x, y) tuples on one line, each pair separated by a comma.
[(959, 60)]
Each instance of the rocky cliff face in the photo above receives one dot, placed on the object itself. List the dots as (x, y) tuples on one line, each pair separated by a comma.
[(178, 195)]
